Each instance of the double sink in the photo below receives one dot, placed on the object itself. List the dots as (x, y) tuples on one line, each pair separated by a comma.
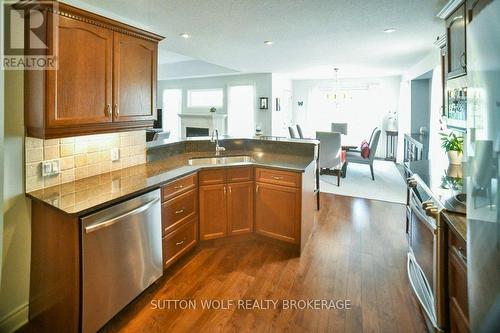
[(222, 160)]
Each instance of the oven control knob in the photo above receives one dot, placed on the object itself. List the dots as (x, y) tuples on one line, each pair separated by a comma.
[(431, 211)]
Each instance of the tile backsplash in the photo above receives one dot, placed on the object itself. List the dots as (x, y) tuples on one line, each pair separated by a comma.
[(81, 157)]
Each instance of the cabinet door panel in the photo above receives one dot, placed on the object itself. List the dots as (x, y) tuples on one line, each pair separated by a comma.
[(79, 92), (213, 216), (455, 25), (134, 91), (240, 208), (277, 212)]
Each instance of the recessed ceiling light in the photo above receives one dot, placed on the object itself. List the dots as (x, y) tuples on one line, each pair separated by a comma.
[(268, 43), (389, 30), (185, 35)]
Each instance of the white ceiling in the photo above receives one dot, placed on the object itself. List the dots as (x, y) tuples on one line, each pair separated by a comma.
[(310, 36)]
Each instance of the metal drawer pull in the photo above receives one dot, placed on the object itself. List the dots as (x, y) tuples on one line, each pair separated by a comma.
[(178, 187), (180, 243), (277, 178), (108, 110), (179, 211), (460, 254), (117, 111)]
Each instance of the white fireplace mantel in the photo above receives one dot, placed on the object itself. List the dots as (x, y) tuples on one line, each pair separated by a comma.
[(203, 120)]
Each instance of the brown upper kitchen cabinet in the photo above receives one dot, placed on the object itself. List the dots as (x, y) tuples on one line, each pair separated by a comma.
[(456, 43), (105, 80)]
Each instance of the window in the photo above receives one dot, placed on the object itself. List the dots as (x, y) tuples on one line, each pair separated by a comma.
[(205, 98)]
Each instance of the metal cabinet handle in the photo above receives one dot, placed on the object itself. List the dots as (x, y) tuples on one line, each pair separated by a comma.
[(257, 188), (224, 190), (178, 187), (462, 61), (108, 110), (459, 252), (229, 189), (277, 178), (180, 243), (117, 110), (179, 211)]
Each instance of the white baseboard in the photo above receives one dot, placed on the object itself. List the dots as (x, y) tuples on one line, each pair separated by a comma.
[(15, 319)]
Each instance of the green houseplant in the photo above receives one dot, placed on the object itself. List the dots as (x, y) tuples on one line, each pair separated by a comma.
[(453, 145), (213, 110)]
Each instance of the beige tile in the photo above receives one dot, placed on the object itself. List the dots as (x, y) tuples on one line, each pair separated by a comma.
[(34, 155), (105, 144), (81, 160), (93, 158), (139, 138), (51, 142), (94, 169), (68, 176), (33, 143), (105, 156), (67, 150), (105, 166), (92, 147), (51, 152), (81, 172), (67, 163), (80, 148), (67, 140), (115, 141), (125, 141), (139, 159), (117, 165), (127, 162), (34, 183), (124, 152), (33, 169), (52, 180), (137, 150)]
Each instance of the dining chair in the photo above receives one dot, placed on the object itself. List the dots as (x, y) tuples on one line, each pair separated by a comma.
[(340, 128), (355, 157), (330, 153), (299, 131)]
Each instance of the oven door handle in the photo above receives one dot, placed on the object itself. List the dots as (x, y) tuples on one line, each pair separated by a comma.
[(418, 211), (421, 288)]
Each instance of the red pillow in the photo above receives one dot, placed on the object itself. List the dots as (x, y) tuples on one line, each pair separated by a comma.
[(365, 150)]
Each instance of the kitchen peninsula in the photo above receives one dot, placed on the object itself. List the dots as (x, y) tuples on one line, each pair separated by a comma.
[(271, 192)]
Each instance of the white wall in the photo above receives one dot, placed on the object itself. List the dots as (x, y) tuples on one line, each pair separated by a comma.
[(387, 95), (262, 83), (420, 104), (282, 89)]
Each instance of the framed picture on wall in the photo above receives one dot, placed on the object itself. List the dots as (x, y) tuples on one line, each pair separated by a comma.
[(264, 103), (278, 104)]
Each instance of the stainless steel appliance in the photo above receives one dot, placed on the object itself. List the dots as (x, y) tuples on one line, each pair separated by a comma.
[(425, 263), (483, 151), (121, 256)]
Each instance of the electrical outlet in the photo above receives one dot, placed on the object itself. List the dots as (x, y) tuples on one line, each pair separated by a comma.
[(50, 168), (115, 154)]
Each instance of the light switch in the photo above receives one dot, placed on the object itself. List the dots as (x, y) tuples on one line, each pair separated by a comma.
[(55, 167), (115, 154), (46, 168)]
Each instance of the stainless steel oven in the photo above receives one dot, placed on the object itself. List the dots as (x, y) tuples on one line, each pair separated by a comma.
[(425, 263)]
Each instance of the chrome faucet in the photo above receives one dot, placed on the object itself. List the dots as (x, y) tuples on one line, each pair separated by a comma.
[(218, 148)]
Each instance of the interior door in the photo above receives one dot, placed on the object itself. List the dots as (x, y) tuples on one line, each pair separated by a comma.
[(134, 90), (79, 92), (240, 208)]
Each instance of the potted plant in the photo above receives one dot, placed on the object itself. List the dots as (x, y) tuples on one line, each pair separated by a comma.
[(453, 146), (213, 110)]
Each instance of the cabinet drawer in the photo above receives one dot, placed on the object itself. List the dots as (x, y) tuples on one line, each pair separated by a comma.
[(457, 279), (212, 176), (179, 242), (278, 177), (178, 210), (244, 174), (178, 186)]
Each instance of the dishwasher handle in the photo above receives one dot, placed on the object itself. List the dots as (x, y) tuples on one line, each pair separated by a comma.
[(116, 219)]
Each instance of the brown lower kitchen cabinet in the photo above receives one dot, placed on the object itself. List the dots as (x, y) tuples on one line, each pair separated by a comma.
[(226, 202), (457, 283), (179, 218), (278, 206)]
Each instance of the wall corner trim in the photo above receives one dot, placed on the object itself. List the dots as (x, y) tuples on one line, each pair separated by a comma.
[(15, 319)]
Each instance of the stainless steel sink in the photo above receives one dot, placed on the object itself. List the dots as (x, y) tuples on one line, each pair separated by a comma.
[(222, 160)]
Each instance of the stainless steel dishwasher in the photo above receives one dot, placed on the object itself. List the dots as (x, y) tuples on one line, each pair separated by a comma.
[(122, 256)]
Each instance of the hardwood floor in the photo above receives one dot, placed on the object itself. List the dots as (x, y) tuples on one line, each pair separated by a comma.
[(357, 253)]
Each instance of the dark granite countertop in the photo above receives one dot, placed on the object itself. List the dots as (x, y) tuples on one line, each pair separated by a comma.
[(89, 194), (457, 222)]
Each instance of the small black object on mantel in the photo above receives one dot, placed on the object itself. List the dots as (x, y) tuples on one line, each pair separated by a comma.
[(391, 145), (264, 103)]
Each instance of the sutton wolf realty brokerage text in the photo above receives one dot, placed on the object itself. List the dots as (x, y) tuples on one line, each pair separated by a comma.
[(251, 304)]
